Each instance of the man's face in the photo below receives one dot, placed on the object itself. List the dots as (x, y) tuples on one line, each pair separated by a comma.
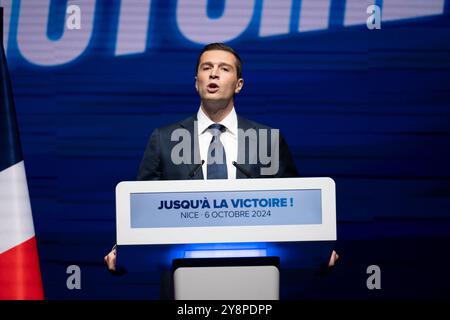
[(217, 80)]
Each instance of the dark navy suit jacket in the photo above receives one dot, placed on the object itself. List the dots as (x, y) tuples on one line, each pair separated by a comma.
[(158, 165)]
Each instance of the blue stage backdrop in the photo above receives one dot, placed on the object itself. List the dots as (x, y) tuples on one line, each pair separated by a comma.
[(367, 107)]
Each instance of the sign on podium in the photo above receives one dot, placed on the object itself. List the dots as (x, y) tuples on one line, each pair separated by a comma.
[(221, 211)]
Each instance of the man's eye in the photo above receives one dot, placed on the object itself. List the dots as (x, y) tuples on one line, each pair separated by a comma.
[(206, 68), (225, 69)]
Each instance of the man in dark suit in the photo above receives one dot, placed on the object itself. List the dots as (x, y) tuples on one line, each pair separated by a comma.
[(157, 163), (216, 143), (219, 78)]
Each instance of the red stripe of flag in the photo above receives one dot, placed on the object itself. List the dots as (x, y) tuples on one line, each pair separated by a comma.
[(20, 276)]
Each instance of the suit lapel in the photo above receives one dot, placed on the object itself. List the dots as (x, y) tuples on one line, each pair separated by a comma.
[(190, 125), (245, 153)]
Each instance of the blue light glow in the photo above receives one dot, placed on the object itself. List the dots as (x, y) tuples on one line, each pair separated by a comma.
[(270, 249), (239, 253)]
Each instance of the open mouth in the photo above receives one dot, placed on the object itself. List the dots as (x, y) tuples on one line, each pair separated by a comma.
[(212, 87)]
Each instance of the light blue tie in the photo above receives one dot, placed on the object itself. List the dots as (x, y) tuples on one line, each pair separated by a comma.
[(217, 159)]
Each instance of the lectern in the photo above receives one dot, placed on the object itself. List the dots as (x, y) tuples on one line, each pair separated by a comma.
[(226, 212)]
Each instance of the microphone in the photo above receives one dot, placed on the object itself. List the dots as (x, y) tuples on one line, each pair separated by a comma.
[(196, 168), (241, 169)]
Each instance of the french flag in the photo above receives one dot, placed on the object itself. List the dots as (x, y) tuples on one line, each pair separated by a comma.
[(20, 276)]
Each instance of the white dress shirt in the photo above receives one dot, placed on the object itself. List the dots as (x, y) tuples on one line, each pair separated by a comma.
[(228, 139)]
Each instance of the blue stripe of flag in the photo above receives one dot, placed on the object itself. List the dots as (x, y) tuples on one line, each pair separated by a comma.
[(10, 149)]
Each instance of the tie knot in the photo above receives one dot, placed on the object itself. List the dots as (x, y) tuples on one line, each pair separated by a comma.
[(217, 128)]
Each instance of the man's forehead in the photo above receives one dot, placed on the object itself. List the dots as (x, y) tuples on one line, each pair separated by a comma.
[(218, 56)]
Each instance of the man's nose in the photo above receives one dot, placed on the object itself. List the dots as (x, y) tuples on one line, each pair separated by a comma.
[(214, 73)]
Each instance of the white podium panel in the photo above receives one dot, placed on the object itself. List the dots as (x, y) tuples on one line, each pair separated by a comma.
[(227, 283), (255, 278)]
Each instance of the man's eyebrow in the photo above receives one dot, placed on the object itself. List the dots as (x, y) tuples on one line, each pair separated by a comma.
[(206, 62), (225, 64)]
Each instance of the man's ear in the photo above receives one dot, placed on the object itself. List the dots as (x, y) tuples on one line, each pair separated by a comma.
[(239, 85), (196, 84)]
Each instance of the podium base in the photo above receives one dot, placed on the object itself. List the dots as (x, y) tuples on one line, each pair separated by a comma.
[(226, 278)]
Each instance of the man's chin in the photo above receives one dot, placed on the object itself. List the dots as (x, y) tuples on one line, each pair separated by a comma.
[(214, 105)]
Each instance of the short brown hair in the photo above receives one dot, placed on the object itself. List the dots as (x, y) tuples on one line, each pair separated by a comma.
[(223, 47)]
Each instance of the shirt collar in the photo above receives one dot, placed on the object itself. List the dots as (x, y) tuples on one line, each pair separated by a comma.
[(230, 121)]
